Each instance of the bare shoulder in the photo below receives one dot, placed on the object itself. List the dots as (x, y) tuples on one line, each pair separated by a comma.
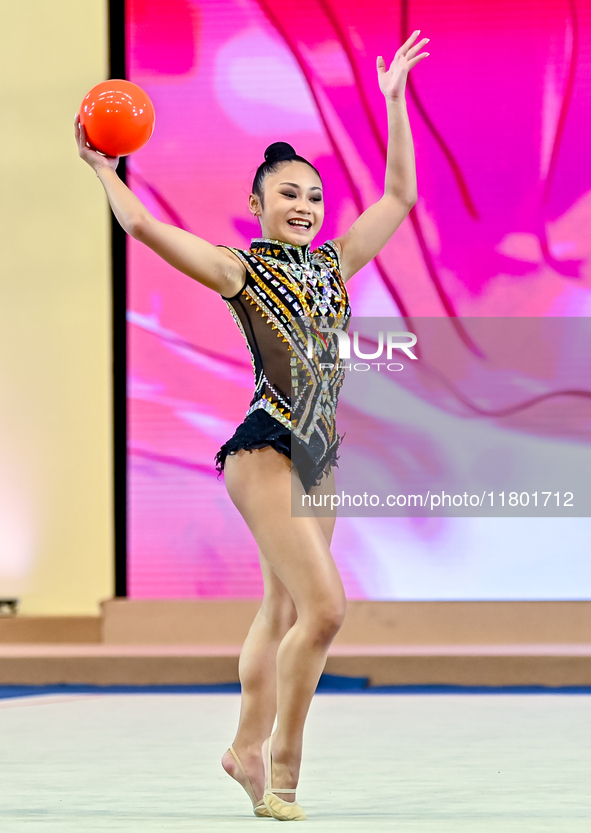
[(234, 273), (213, 266)]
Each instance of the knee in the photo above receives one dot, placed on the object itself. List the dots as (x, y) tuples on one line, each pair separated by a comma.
[(326, 620)]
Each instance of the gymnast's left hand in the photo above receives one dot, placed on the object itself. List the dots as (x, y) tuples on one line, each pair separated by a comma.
[(393, 81)]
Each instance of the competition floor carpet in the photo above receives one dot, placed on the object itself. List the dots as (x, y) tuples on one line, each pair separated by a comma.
[(403, 762)]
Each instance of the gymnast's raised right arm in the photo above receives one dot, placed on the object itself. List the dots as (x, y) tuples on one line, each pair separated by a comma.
[(212, 266)]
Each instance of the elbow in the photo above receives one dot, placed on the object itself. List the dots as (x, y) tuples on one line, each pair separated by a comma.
[(407, 201), (402, 202), (136, 226)]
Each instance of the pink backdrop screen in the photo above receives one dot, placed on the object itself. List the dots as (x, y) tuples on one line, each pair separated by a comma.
[(500, 117)]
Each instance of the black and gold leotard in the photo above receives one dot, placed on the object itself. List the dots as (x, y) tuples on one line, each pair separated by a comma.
[(289, 293)]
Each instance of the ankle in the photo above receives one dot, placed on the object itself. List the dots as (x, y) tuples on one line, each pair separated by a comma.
[(285, 753), (248, 748)]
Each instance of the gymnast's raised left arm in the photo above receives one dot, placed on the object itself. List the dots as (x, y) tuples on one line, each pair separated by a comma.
[(372, 230)]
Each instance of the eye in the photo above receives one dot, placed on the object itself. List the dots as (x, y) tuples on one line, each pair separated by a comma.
[(288, 194), (316, 199)]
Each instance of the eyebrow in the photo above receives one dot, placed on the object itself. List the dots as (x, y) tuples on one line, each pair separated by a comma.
[(295, 185)]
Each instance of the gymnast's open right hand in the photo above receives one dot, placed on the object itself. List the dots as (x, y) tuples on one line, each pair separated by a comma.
[(95, 159), (216, 268)]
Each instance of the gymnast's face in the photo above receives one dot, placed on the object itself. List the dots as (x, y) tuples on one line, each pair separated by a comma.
[(292, 207)]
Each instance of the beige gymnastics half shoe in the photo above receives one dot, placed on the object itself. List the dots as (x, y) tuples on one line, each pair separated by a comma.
[(279, 809), (259, 808)]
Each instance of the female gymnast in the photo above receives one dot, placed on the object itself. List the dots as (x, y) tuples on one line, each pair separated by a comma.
[(272, 453)]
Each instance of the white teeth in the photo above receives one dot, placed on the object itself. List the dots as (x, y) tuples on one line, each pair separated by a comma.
[(303, 223)]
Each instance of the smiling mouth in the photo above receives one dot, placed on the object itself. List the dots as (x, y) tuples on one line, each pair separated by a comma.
[(303, 224)]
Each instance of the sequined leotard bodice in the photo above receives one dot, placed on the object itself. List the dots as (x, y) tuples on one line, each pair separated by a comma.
[(289, 292)]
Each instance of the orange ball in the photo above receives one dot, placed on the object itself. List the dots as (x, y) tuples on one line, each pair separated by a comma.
[(118, 117)]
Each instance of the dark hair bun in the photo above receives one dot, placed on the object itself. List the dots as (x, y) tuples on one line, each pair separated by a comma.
[(279, 152), (275, 154)]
